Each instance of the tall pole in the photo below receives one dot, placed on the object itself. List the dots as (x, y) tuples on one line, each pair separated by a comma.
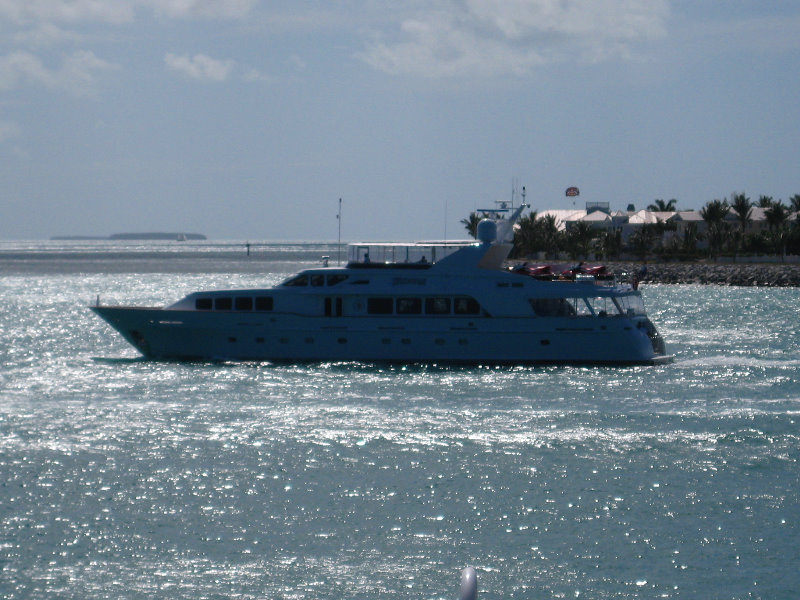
[(445, 219), (339, 245)]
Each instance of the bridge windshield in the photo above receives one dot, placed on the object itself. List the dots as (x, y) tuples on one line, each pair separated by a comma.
[(631, 304)]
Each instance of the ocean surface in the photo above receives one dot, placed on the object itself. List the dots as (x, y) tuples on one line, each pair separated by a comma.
[(124, 478)]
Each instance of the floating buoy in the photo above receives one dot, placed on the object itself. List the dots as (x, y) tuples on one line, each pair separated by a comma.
[(469, 584)]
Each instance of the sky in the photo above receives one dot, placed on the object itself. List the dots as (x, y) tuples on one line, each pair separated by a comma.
[(248, 119)]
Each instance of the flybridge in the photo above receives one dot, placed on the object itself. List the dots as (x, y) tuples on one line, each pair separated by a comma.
[(398, 253), (491, 232)]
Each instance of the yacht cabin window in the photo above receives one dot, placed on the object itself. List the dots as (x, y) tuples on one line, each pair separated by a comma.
[(264, 303), (601, 307), (243, 303), (298, 281), (380, 306), (466, 306), (223, 303), (240, 303), (552, 307), (386, 305), (337, 278), (409, 306), (630, 305), (573, 307), (437, 306)]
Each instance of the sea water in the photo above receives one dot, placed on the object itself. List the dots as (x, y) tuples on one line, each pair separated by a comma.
[(126, 478)]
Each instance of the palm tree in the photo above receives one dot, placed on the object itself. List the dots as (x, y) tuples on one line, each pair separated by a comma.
[(777, 217), (611, 243), (765, 201), (690, 238), (741, 205), (795, 203), (471, 223), (641, 241), (714, 213), (579, 240), (552, 238), (527, 236), (660, 206)]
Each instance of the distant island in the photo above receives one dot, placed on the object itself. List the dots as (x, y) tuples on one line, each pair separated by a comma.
[(177, 236)]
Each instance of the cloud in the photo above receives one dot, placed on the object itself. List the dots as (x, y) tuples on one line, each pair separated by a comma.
[(254, 75), (231, 9), (118, 11), (46, 34), (200, 67), (498, 37), (211, 70), (76, 75), (71, 11)]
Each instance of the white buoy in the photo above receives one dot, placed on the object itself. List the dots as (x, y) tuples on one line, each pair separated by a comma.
[(469, 584)]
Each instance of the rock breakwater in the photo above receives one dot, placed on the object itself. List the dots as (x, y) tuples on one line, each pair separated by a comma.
[(739, 274)]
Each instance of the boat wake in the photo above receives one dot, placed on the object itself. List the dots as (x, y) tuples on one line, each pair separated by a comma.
[(120, 360), (727, 360)]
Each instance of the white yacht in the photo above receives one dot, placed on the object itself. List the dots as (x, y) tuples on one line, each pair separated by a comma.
[(420, 303)]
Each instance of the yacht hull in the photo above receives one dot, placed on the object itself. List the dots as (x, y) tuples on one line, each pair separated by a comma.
[(220, 336)]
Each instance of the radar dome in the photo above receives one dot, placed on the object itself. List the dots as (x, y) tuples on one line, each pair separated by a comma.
[(487, 231)]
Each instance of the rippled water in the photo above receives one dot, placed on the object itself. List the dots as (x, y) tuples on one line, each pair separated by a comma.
[(122, 478)]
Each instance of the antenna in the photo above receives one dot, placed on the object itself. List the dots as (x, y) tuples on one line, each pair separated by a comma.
[(514, 184), (445, 218), (339, 242)]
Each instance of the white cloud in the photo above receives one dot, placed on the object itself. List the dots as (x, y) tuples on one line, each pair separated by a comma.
[(200, 67), (254, 75), (72, 11), (76, 75), (497, 37), (231, 9), (46, 34), (118, 11), (211, 70)]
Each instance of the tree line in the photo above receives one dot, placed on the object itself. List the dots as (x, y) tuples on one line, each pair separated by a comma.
[(534, 234)]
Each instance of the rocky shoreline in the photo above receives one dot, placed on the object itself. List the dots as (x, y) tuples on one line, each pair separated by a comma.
[(728, 274)]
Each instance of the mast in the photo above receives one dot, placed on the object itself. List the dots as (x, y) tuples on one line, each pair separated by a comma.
[(339, 241), (505, 227)]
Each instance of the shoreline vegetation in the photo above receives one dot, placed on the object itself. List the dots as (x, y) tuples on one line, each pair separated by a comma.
[(719, 244)]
